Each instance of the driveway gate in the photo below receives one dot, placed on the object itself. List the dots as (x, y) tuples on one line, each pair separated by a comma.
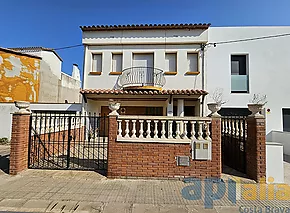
[(68, 141)]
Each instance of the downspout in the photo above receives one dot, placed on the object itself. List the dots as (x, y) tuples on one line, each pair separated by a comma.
[(202, 47)]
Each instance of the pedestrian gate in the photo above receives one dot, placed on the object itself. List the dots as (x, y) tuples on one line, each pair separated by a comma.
[(68, 141)]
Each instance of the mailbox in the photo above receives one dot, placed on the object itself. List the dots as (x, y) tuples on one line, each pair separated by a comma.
[(201, 150)]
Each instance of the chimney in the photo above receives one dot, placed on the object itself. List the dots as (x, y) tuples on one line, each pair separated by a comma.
[(76, 72)]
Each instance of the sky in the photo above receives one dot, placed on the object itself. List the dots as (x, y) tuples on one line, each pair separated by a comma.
[(55, 23)]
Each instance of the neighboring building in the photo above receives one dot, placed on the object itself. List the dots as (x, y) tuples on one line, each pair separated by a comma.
[(150, 69), (246, 68), (34, 74)]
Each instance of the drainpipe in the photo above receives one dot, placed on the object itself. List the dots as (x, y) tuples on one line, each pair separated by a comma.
[(202, 47)]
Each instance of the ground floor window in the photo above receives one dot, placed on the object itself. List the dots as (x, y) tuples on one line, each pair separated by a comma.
[(286, 120)]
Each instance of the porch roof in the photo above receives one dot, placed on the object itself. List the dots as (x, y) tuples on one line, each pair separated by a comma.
[(144, 92)]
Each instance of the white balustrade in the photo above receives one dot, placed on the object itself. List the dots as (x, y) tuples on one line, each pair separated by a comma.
[(163, 129)]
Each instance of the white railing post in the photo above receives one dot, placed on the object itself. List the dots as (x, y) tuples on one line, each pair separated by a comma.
[(155, 129), (163, 129), (193, 130), (120, 128), (148, 132), (134, 129), (170, 129), (177, 129), (141, 131), (185, 130), (200, 123), (127, 129)]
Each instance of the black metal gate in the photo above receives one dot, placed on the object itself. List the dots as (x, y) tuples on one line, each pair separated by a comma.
[(234, 136), (68, 141)]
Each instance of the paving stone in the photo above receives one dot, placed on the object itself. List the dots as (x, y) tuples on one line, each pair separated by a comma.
[(36, 205), (227, 209), (173, 209), (12, 203), (145, 208), (93, 207), (117, 207), (62, 206), (202, 209)]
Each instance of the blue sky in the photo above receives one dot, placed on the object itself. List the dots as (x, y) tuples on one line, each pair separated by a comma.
[(55, 23)]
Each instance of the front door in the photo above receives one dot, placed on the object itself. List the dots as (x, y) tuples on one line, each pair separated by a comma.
[(144, 63)]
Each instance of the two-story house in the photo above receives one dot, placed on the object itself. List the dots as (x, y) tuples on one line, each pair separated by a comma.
[(149, 69)]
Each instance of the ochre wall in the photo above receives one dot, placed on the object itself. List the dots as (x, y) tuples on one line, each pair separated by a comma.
[(19, 77)]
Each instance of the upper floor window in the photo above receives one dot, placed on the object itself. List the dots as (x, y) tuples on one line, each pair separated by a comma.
[(170, 63), (117, 63), (97, 63), (239, 74), (192, 63)]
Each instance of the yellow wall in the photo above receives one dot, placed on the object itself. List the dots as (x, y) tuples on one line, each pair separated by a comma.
[(19, 77)]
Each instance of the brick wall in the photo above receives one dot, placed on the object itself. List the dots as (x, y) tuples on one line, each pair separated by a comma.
[(256, 149), (158, 159), (19, 143)]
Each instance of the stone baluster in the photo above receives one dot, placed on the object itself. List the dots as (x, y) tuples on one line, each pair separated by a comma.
[(199, 133), (177, 129), (241, 128), (163, 129), (170, 129), (185, 130), (155, 128), (141, 131), (148, 132), (193, 130), (223, 126), (207, 132), (119, 128), (233, 123), (134, 129), (127, 129), (229, 127)]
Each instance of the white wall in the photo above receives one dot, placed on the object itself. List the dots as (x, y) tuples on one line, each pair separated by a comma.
[(280, 137), (106, 81), (269, 67), (69, 89), (274, 162), (7, 108), (53, 61)]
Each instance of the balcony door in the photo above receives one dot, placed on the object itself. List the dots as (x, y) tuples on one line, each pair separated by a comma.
[(144, 63)]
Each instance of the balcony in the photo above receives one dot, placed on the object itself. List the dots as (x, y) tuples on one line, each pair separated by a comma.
[(240, 83), (142, 78)]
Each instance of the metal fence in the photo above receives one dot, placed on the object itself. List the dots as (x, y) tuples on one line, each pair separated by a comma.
[(234, 137), (68, 141)]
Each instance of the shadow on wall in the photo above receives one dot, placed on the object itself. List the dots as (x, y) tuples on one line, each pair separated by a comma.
[(280, 137)]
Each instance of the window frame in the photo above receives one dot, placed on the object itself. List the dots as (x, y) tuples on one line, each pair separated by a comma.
[(112, 72), (197, 71), (96, 72)]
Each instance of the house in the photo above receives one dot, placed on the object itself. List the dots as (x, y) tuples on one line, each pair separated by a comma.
[(257, 66), (149, 69), (34, 74)]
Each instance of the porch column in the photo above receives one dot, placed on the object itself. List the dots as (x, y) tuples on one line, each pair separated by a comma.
[(170, 108), (180, 107)]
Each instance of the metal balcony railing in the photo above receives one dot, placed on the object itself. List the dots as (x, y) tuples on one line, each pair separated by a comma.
[(142, 77)]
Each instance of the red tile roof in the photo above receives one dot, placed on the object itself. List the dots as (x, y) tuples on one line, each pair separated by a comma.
[(144, 27), (144, 92), (35, 49), (19, 53)]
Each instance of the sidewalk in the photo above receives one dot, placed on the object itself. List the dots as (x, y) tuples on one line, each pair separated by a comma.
[(79, 191)]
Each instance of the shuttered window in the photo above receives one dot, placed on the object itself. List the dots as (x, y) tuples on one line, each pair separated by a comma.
[(97, 63), (192, 65), (170, 62), (117, 62)]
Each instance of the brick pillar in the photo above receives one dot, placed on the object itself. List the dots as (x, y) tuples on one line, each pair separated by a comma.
[(19, 142), (216, 144), (256, 148), (113, 129)]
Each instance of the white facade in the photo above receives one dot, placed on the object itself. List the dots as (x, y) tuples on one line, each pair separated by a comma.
[(268, 68), (155, 42)]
